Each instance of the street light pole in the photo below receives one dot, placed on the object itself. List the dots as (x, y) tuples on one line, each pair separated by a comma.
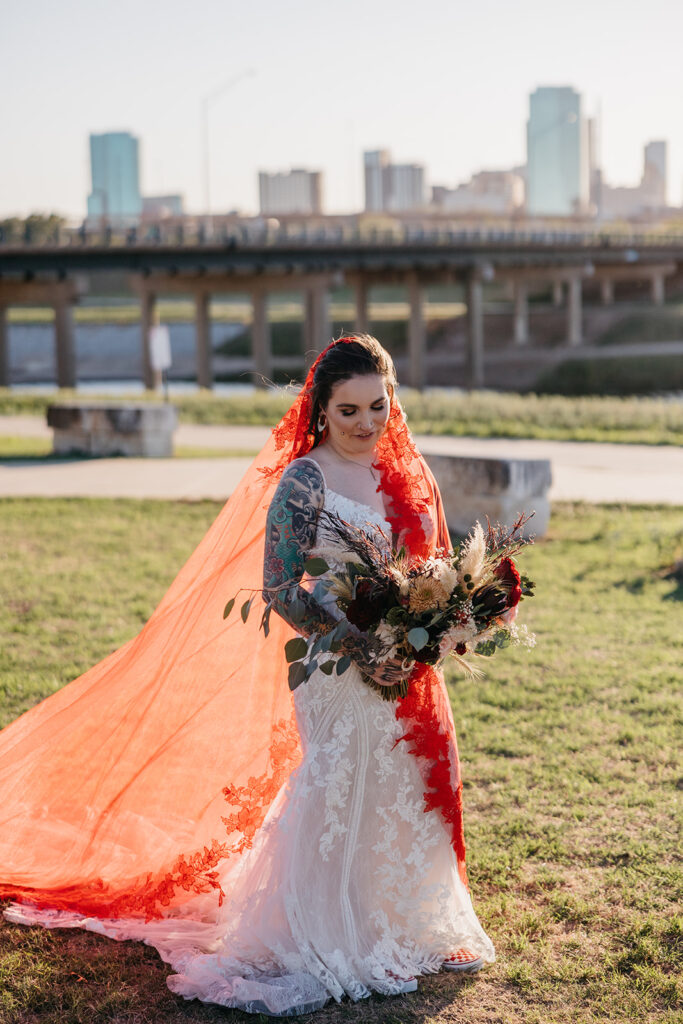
[(206, 102)]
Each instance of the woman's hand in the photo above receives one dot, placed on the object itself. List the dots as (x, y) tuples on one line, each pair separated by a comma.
[(510, 615), (386, 673)]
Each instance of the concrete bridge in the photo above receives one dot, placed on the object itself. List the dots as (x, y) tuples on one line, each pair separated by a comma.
[(261, 266)]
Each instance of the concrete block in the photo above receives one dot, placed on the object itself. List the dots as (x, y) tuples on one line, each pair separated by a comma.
[(104, 429), (473, 488)]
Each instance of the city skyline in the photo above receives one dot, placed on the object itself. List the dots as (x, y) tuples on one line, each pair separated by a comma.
[(456, 100)]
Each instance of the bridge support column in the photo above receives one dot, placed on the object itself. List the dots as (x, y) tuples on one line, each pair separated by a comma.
[(151, 378), (417, 336), (362, 322), (574, 317), (317, 328), (475, 333), (558, 293), (203, 339), (4, 348), (65, 348), (658, 289), (260, 337), (521, 313), (607, 291)]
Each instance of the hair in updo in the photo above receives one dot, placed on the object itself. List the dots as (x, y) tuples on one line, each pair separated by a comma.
[(359, 357)]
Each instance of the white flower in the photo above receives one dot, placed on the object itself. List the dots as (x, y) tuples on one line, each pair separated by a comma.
[(459, 633), (448, 577), (521, 635), (386, 635), (472, 555)]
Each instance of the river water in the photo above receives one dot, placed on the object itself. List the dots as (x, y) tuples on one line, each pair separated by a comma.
[(105, 354)]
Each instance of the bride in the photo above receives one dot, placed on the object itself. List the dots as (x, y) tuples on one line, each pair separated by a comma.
[(339, 867)]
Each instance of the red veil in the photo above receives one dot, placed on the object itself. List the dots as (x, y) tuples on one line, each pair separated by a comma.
[(136, 786)]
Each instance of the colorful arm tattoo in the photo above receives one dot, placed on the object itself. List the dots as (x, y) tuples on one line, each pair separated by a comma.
[(290, 534)]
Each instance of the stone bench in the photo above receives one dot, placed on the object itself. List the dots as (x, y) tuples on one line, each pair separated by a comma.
[(473, 488), (108, 428)]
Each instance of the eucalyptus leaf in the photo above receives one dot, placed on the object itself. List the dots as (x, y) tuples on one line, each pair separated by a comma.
[(485, 647), (502, 638), (297, 675), (229, 607), (265, 618), (246, 608), (418, 637), (295, 649), (343, 664), (327, 667), (316, 566), (317, 645), (296, 609)]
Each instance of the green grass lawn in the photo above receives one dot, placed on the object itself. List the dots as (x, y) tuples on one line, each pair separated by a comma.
[(569, 756), (477, 413), (40, 449)]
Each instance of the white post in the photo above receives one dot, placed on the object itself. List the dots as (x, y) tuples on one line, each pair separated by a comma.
[(521, 313), (658, 289), (607, 291), (574, 325)]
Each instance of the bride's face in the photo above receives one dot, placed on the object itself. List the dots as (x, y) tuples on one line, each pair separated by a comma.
[(357, 413)]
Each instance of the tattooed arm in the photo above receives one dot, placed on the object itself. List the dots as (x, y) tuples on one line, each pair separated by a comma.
[(290, 534)]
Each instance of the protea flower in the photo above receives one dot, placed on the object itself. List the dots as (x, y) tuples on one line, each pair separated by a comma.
[(489, 601)]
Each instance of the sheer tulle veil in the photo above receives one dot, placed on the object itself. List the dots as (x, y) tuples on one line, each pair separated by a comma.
[(139, 784)]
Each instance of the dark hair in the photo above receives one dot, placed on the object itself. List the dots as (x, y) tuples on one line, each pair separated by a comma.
[(360, 356)]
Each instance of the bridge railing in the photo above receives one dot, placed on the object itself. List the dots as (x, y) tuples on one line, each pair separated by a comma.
[(273, 234)]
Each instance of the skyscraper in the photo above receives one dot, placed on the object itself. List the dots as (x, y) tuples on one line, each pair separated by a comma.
[(298, 191), (115, 174), (375, 166), (654, 174), (557, 153), (394, 187), (406, 187)]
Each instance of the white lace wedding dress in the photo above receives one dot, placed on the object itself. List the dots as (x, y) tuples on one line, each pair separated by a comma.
[(349, 887)]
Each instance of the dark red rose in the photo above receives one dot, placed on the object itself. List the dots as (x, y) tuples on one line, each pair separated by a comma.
[(509, 580), (367, 606)]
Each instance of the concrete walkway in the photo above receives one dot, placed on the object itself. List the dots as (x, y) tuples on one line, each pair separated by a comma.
[(637, 474)]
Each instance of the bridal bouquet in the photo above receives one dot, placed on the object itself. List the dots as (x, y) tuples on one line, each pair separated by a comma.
[(418, 610)]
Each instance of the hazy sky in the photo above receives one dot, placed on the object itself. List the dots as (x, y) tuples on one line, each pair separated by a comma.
[(441, 82)]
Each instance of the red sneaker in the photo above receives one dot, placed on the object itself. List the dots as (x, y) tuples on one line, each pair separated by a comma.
[(463, 960)]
